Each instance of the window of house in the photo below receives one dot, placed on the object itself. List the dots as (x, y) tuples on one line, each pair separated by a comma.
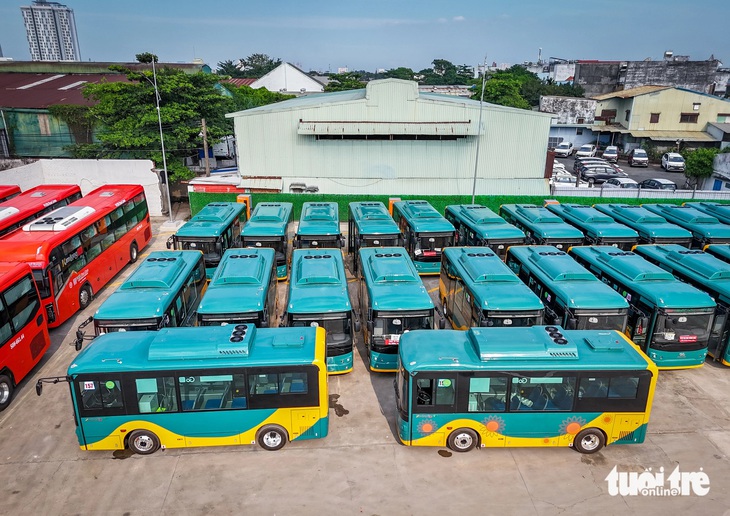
[(723, 117), (696, 106), (654, 118), (581, 120), (579, 130), (688, 118), (628, 114)]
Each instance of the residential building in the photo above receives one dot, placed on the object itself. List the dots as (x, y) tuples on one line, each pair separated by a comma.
[(288, 79), (51, 31)]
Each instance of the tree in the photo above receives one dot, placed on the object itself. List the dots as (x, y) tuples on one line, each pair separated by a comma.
[(256, 66), (126, 115), (229, 68), (698, 164), (344, 81), (503, 91), (246, 97), (400, 73)]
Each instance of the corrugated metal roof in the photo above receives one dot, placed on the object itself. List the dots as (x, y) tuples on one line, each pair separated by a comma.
[(633, 92), (237, 81), (723, 126), (40, 90), (455, 128), (688, 136)]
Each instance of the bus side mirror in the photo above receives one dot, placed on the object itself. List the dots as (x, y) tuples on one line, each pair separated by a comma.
[(358, 326), (442, 323), (168, 244), (572, 323), (342, 242), (38, 387), (295, 244), (79, 340), (370, 326)]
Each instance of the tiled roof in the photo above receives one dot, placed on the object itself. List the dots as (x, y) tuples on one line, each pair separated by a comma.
[(240, 82)]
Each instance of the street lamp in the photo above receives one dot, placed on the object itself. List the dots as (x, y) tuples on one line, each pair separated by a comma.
[(162, 140), (479, 132)]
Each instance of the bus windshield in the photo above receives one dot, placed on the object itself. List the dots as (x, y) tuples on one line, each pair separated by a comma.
[(315, 242), (334, 324), (212, 249), (431, 243), (276, 243), (588, 321), (221, 320), (380, 241), (511, 321), (121, 325), (389, 324), (683, 328)]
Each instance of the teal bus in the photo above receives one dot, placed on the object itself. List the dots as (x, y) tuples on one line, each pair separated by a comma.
[(188, 387), (541, 226), (477, 225), (476, 288), (508, 387), (720, 211), (393, 301), (319, 226), (369, 224), (670, 320), (267, 227), (573, 297), (705, 228), (652, 228), (705, 272), (243, 289), (720, 251), (212, 230), (164, 290), (318, 296), (425, 234), (598, 228)]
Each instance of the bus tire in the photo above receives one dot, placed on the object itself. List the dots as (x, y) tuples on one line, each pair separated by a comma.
[(85, 296), (133, 252), (589, 440), (6, 391), (463, 440), (271, 437), (143, 442)]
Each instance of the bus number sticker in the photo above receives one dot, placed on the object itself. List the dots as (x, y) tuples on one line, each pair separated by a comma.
[(444, 382), (89, 386)]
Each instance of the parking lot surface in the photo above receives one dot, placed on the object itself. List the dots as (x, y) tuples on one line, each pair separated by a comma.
[(360, 468)]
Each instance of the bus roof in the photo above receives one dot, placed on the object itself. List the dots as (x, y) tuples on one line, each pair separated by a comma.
[(268, 219), (696, 221), (493, 284), (10, 271), (8, 191), (592, 222), (536, 348), (575, 286), (392, 280), (484, 222), (33, 243), (212, 220), (319, 218), (648, 224), (542, 221), (422, 217), (647, 279), (720, 211), (721, 251), (239, 284), (207, 347), (318, 282), (372, 218), (703, 268), (150, 289)]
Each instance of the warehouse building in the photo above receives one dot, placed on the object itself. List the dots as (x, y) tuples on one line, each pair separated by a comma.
[(390, 139)]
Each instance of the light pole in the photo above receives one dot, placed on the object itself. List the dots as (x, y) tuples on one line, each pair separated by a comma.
[(479, 132), (162, 141)]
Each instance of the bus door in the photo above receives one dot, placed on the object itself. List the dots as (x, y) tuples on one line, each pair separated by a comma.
[(434, 405), (720, 334), (637, 326)]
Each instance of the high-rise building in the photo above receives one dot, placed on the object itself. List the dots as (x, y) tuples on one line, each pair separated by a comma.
[(51, 31)]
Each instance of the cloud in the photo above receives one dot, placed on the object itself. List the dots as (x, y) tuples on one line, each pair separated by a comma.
[(459, 19)]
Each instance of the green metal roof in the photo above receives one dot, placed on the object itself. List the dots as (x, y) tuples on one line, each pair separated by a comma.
[(152, 286), (519, 349), (212, 220), (392, 280), (240, 283), (268, 219), (493, 284), (422, 217), (319, 218), (372, 218), (541, 221), (698, 222), (648, 224), (209, 347), (318, 282), (573, 285), (648, 280), (486, 224), (592, 222)]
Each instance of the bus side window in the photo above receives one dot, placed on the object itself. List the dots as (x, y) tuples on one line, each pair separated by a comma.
[(100, 395), (5, 330), (156, 394), (435, 392), (487, 394)]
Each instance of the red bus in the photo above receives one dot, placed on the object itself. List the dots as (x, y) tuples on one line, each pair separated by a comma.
[(75, 250), (23, 329), (8, 192), (33, 203)]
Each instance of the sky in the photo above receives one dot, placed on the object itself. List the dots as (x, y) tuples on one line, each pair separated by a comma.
[(383, 34)]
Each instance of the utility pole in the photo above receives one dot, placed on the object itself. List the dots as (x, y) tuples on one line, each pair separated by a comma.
[(205, 149)]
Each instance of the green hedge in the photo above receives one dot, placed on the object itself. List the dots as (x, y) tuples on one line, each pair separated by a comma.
[(198, 200)]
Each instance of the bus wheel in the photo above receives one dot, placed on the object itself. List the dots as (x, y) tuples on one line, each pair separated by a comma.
[(143, 442), (272, 437), (462, 440), (589, 440), (6, 391), (133, 252), (85, 296)]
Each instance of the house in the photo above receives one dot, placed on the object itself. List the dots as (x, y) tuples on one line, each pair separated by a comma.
[(572, 120), (288, 79), (389, 138)]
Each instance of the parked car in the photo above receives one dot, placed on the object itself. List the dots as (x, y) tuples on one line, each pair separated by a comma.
[(638, 158), (559, 168), (658, 183), (620, 182), (586, 161), (611, 154), (566, 180), (586, 150), (598, 174), (673, 162), (564, 149)]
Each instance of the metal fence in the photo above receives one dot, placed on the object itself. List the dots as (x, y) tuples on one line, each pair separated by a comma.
[(638, 193)]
